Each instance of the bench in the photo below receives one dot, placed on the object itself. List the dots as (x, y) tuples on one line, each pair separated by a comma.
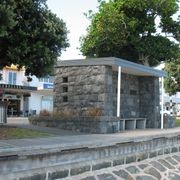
[(131, 124)]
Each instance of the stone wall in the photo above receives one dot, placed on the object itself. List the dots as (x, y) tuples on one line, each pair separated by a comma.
[(169, 121), (81, 88), (129, 96), (139, 98), (96, 86), (60, 162), (149, 101), (100, 124)]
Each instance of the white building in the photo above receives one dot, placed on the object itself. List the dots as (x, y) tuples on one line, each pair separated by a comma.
[(25, 97)]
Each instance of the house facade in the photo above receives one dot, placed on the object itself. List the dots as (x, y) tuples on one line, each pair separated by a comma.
[(115, 87), (25, 98)]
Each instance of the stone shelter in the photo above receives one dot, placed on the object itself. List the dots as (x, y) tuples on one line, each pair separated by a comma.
[(115, 90)]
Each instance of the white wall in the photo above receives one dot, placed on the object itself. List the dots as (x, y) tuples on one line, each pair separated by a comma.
[(47, 103), (35, 82), (20, 78), (35, 102)]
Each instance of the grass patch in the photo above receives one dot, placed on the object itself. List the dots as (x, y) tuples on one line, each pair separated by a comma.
[(19, 133), (177, 122)]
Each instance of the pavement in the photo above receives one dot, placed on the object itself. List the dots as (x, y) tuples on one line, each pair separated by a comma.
[(166, 167), (69, 140)]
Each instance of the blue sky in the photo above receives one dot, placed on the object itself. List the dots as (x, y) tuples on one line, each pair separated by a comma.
[(71, 11)]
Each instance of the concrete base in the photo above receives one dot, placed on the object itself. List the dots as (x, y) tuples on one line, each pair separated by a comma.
[(100, 124), (83, 155), (169, 121)]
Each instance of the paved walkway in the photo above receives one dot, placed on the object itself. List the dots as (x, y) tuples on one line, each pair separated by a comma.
[(81, 141), (70, 141), (159, 168), (162, 167)]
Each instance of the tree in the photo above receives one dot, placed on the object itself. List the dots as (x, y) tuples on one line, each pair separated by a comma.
[(128, 29), (30, 36), (172, 81)]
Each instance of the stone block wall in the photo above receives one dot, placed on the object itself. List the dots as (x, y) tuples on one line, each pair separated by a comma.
[(149, 101), (169, 121), (97, 125), (139, 98), (129, 95), (81, 88)]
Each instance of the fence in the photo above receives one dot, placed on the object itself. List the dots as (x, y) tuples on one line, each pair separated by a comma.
[(3, 112)]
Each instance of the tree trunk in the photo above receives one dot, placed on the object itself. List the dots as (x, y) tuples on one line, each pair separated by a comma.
[(144, 59)]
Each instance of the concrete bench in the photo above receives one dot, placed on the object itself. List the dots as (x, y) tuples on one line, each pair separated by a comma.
[(132, 123)]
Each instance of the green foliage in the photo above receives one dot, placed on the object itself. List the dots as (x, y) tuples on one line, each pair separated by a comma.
[(177, 122), (31, 36), (7, 17), (128, 29), (172, 82)]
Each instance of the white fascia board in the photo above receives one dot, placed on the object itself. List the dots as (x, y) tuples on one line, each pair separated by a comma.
[(140, 68)]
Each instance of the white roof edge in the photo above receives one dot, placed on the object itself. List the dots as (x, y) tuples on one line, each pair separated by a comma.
[(139, 67), (111, 61)]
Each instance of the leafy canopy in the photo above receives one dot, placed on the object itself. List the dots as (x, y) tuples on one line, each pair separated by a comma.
[(130, 29), (172, 81), (30, 36)]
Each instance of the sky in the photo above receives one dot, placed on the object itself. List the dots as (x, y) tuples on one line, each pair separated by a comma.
[(71, 11)]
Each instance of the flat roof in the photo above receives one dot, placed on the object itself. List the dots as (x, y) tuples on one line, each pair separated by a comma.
[(126, 66)]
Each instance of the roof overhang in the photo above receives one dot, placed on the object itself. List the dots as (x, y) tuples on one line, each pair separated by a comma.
[(126, 66), (17, 88)]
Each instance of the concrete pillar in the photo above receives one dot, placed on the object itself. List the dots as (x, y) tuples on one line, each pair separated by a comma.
[(162, 102), (119, 91)]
